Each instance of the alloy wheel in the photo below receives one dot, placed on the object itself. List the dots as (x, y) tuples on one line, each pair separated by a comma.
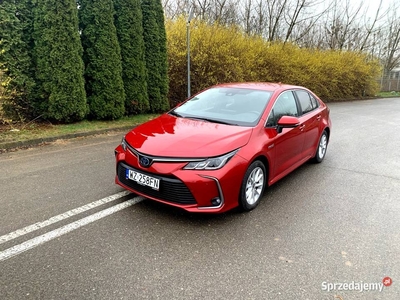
[(254, 185), (322, 146)]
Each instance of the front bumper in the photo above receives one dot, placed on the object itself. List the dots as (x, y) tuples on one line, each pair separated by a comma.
[(211, 191)]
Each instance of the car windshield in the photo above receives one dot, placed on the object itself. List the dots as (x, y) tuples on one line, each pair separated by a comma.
[(232, 106)]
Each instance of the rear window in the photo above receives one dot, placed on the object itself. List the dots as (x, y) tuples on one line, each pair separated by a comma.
[(307, 101)]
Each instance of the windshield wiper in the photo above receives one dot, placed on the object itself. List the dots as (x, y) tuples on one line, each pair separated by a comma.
[(212, 120), (174, 113)]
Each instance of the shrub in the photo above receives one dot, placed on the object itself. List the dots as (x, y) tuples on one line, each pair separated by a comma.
[(225, 54), (16, 65), (60, 93), (155, 54), (128, 22), (102, 58)]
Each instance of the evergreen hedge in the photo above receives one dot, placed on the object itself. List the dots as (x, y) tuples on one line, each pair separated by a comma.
[(128, 22), (163, 55), (153, 34), (17, 80), (59, 93), (102, 58)]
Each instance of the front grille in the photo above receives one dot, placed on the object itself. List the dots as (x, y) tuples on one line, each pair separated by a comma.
[(171, 189)]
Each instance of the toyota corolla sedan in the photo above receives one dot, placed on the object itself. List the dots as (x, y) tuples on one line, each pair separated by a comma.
[(221, 148)]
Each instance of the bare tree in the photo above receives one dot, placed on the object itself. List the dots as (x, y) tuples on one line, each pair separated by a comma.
[(175, 8), (341, 26), (338, 24), (202, 9), (275, 14), (391, 50), (312, 37), (300, 21), (371, 27), (247, 16), (293, 16), (252, 16), (225, 11), (260, 18)]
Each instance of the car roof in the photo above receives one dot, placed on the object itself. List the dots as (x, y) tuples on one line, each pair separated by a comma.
[(265, 86)]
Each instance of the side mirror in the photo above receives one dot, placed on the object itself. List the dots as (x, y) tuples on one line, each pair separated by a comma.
[(287, 122)]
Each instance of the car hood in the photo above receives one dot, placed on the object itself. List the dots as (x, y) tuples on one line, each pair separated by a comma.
[(182, 137)]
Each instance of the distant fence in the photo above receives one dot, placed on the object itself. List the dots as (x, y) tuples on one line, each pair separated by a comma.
[(389, 84)]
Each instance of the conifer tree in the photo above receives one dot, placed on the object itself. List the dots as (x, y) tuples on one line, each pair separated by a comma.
[(16, 24), (128, 22), (155, 53), (60, 93), (164, 84), (102, 58)]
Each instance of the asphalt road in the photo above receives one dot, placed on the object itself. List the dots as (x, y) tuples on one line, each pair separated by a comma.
[(336, 222)]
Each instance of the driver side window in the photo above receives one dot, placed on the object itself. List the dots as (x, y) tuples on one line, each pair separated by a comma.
[(285, 105)]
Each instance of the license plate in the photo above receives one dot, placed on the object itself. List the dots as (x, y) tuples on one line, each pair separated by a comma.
[(143, 179)]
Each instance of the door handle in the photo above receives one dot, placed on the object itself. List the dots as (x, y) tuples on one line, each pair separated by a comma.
[(301, 127), (319, 118)]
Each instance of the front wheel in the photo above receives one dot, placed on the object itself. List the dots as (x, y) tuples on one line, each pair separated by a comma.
[(253, 186), (321, 149)]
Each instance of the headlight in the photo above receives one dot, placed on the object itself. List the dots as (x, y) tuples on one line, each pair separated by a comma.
[(124, 144), (212, 163)]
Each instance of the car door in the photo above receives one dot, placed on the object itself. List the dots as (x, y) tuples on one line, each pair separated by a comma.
[(288, 144), (310, 119)]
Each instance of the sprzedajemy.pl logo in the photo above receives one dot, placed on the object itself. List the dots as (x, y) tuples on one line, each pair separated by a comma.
[(358, 286)]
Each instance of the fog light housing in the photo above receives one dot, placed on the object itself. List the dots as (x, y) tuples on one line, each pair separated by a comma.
[(216, 201)]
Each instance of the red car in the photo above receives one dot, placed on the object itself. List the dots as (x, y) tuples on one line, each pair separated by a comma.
[(221, 148)]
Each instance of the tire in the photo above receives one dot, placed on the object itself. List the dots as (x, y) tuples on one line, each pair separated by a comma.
[(321, 148), (253, 186)]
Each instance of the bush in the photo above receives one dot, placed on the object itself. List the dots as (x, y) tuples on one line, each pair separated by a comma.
[(60, 93), (16, 65), (225, 54), (102, 58), (128, 22), (155, 54)]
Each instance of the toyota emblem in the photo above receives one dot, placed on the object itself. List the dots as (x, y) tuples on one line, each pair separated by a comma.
[(145, 161)]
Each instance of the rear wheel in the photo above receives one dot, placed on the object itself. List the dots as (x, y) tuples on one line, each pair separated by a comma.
[(321, 149), (253, 186)]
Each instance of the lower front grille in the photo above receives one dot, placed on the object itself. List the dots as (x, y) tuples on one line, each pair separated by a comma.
[(171, 189)]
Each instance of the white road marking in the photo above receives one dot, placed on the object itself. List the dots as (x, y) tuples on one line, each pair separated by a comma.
[(20, 232), (32, 243)]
